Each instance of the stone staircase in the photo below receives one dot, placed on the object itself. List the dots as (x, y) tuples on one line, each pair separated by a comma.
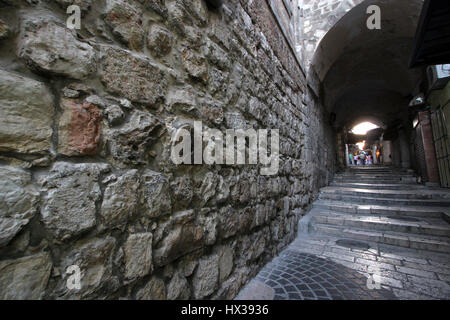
[(382, 205)]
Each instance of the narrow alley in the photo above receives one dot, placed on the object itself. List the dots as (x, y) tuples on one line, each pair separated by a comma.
[(385, 237)]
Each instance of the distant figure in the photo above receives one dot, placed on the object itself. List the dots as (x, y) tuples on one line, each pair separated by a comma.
[(350, 156), (362, 156), (369, 160), (358, 160)]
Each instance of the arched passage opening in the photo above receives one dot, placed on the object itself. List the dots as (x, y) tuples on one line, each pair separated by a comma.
[(360, 75)]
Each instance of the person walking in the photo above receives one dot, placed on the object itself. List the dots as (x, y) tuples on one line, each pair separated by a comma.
[(351, 158)]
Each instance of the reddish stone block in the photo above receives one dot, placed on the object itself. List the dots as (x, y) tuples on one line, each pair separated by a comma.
[(79, 128)]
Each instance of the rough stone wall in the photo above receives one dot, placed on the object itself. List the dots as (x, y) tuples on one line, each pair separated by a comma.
[(317, 18), (86, 118)]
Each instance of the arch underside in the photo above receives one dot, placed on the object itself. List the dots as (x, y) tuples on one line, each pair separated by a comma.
[(363, 74)]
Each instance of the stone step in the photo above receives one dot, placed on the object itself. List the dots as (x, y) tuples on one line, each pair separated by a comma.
[(375, 181), (429, 226), (421, 242), (383, 201), (427, 194), (380, 186), (376, 175), (389, 210)]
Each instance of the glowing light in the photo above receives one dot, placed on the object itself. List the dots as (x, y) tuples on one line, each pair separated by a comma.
[(361, 145), (363, 128)]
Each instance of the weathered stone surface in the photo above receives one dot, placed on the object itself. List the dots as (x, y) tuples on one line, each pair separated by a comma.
[(120, 199), (79, 128), (94, 258), (9, 227), (156, 5), (226, 262), (178, 288), (198, 10), (18, 197), (229, 222), (195, 64), (50, 47), (18, 202), (159, 41), (114, 114), (205, 279), (155, 195), (132, 76), (4, 30), (25, 278), (155, 289), (138, 255), (130, 144), (182, 190), (125, 20), (26, 111), (209, 223), (83, 4), (186, 236), (70, 195)]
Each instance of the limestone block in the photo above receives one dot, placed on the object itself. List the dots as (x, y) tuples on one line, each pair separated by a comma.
[(138, 255), (125, 20), (159, 41), (120, 200), (18, 201), (70, 192), (185, 236), (132, 76), (205, 279), (25, 278), (26, 111), (155, 195), (155, 289), (50, 47), (94, 258), (178, 288), (156, 5)]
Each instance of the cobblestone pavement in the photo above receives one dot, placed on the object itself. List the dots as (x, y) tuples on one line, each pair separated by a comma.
[(324, 268)]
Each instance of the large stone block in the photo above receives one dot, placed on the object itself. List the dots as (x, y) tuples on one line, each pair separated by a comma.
[(120, 199), (178, 288), (159, 41), (125, 20), (95, 260), (18, 202), (138, 255), (70, 195), (155, 194), (79, 128), (25, 278), (185, 236), (155, 289), (26, 112), (132, 76), (129, 144), (156, 5), (48, 46), (205, 279)]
